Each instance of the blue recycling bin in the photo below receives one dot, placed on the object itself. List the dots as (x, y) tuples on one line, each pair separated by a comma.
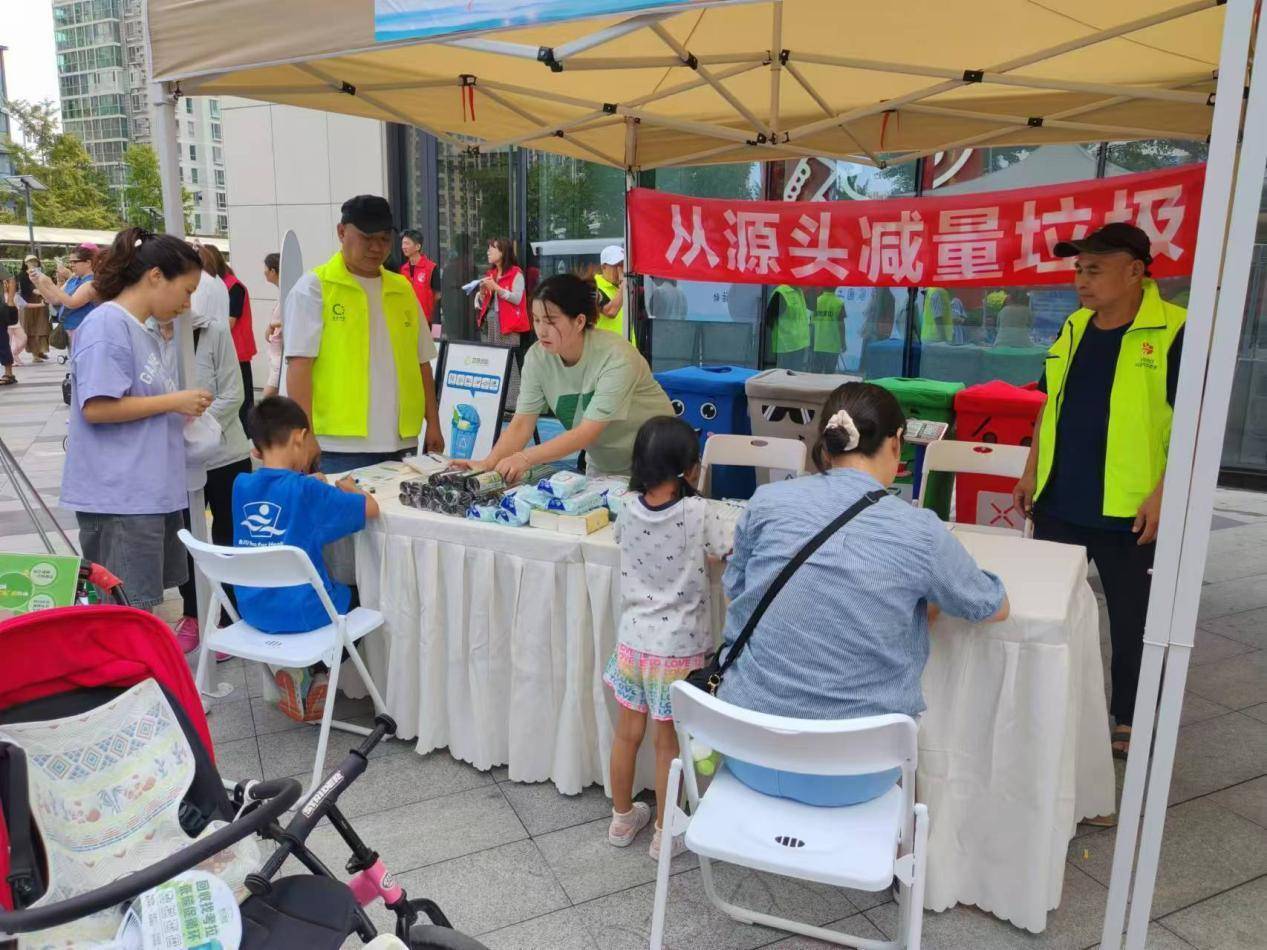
[(713, 401), (464, 430)]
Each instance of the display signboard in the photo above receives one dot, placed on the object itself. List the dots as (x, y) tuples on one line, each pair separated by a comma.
[(473, 383), (36, 582)]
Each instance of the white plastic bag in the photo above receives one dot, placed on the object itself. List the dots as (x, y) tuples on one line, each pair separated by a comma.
[(203, 437)]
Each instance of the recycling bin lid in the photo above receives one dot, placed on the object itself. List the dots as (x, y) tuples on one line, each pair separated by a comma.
[(927, 392), (998, 396), (709, 380), (789, 384)]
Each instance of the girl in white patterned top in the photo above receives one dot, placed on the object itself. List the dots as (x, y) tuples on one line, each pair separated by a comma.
[(666, 535)]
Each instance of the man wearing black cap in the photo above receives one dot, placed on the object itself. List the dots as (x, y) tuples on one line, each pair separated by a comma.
[(1095, 470), (359, 350)]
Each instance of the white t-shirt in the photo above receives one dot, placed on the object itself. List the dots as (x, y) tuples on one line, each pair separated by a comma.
[(301, 330), (666, 605), (211, 298)]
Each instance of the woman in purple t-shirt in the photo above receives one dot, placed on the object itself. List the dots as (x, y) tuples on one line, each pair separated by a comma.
[(125, 457)]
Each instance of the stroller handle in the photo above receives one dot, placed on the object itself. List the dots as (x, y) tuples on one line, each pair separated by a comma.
[(281, 795)]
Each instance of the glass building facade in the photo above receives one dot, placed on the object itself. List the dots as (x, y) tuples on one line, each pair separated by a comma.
[(560, 212)]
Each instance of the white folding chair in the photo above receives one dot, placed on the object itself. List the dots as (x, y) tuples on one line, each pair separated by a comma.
[(280, 566), (752, 451), (977, 458), (861, 846)]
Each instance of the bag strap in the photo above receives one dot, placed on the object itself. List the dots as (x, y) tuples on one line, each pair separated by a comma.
[(24, 877), (803, 555)]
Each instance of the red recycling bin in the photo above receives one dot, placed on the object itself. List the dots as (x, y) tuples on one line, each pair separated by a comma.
[(1004, 414)]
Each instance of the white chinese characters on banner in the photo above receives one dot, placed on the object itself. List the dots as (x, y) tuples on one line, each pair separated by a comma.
[(1158, 212), (753, 241), (813, 237), (1066, 223), (695, 240), (967, 243), (982, 240), (892, 248)]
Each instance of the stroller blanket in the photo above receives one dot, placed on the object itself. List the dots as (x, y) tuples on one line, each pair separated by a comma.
[(105, 790)]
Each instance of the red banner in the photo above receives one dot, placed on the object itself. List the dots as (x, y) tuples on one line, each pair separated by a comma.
[(995, 239)]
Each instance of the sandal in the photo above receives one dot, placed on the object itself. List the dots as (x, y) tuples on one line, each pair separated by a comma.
[(1121, 735), (8, 379)]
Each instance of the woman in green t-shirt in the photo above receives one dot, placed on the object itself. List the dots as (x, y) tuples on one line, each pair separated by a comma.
[(594, 382)]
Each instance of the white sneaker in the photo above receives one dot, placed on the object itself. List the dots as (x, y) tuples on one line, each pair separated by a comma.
[(678, 847), (624, 828)]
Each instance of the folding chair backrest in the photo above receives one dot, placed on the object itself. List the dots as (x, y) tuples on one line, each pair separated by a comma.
[(810, 746), (752, 451), (280, 565), (976, 458)]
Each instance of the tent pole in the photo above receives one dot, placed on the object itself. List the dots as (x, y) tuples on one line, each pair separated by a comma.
[(1228, 317), (1187, 429), (1028, 82), (631, 179), (688, 59), (632, 25), (986, 137), (1026, 121), (379, 104), (776, 68), (827, 110), (162, 98)]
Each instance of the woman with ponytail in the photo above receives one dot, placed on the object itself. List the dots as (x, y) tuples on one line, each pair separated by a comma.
[(848, 634), (125, 458)]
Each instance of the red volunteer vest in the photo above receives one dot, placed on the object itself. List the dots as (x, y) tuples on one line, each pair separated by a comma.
[(243, 335), (512, 317), (420, 277)]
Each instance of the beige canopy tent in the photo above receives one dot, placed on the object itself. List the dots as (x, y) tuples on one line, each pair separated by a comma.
[(700, 82), (728, 82)]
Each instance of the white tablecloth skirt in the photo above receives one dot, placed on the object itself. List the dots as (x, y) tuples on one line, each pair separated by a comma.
[(501, 661)]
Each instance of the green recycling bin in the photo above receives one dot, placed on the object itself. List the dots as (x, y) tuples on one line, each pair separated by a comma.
[(932, 400)]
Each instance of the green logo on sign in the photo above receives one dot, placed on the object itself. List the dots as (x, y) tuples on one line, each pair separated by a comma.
[(15, 591)]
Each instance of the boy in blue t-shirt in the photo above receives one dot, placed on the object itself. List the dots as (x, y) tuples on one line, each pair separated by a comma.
[(280, 504)]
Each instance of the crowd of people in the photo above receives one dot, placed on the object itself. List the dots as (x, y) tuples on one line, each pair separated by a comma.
[(357, 339)]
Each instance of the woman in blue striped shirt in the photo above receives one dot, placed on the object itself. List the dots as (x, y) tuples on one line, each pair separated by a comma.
[(848, 635)]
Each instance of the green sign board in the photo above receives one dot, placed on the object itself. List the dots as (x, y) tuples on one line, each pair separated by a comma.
[(36, 582)]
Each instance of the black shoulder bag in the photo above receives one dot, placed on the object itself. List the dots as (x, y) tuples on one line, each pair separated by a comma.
[(708, 678)]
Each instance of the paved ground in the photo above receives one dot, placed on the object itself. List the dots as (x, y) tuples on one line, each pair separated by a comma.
[(529, 868)]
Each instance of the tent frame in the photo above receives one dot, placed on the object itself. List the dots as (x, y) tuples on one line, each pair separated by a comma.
[(752, 129), (1217, 297)]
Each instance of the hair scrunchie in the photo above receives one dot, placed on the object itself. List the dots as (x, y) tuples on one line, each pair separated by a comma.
[(843, 421)]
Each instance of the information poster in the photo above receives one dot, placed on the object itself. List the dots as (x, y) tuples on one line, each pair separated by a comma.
[(474, 378), (36, 582)]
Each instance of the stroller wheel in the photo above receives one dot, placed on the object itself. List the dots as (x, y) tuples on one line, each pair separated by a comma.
[(431, 937)]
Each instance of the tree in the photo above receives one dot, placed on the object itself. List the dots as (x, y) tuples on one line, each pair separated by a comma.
[(143, 193), (741, 180), (78, 194), (1151, 154)]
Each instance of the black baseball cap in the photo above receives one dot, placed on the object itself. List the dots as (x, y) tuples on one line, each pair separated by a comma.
[(1118, 236), (369, 213)]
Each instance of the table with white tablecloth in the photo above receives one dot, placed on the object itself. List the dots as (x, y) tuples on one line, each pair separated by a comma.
[(495, 640)]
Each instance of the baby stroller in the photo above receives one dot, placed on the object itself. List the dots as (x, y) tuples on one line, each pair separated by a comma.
[(73, 668)]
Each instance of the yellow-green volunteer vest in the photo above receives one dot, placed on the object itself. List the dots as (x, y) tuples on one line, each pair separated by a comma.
[(341, 371), (791, 326), (1139, 414), (827, 314), (615, 324), (935, 328)]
